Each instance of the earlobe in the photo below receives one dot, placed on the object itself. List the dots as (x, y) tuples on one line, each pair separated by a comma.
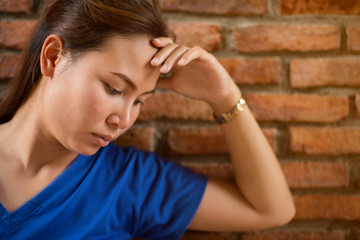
[(50, 54)]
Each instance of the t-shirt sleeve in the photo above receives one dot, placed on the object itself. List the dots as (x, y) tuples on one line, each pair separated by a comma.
[(170, 196)]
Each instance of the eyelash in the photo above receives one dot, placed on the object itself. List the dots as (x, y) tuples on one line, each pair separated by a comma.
[(113, 90), (116, 92), (139, 102)]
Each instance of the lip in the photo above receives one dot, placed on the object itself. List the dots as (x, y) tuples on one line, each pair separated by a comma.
[(102, 140)]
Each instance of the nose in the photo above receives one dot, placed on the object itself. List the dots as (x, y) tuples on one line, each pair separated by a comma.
[(122, 118)]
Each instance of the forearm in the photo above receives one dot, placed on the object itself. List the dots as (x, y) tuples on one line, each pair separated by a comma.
[(260, 197), (256, 169)]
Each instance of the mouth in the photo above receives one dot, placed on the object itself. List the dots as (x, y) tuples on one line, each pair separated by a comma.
[(102, 140)]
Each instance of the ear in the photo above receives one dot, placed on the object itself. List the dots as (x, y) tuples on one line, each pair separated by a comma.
[(51, 52)]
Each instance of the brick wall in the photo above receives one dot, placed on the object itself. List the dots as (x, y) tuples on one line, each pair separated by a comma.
[(298, 64)]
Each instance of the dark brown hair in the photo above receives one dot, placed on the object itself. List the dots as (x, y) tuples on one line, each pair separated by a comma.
[(83, 25)]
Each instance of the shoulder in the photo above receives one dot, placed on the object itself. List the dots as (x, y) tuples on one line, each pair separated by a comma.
[(116, 154), (114, 158), (146, 166)]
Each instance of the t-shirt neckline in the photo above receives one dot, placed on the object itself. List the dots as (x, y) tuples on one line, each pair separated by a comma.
[(9, 220)]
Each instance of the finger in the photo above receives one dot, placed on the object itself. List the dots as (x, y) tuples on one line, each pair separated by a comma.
[(161, 55), (189, 56), (175, 55), (161, 41)]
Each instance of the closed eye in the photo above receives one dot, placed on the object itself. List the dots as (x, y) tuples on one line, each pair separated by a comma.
[(139, 102), (113, 90), (117, 92)]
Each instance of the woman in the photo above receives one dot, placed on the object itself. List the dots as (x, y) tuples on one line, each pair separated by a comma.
[(88, 68)]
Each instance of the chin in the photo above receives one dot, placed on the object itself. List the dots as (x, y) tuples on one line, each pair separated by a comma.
[(81, 145), (88, 151), (84, 149)]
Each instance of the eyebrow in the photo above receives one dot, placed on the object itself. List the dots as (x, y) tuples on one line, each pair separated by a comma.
[(130, 82)]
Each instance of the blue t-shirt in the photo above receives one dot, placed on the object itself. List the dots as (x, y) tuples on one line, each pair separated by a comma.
[(115, 194)]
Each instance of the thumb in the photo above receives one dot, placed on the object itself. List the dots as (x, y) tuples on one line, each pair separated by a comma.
[(164, 83)]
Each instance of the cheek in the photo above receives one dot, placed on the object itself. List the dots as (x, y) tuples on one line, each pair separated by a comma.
[(76, 107), (134, 115), (93, 107)]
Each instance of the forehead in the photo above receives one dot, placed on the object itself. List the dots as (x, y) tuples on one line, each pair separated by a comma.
[(130, 53), (130, 56)]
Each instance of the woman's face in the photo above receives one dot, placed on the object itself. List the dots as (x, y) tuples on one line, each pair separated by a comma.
[(90, 102)]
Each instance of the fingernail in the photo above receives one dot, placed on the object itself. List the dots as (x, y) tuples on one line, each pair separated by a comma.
[(164, 67), (155, 60), (182, 61)]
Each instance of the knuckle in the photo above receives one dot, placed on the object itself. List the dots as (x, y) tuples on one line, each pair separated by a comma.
[(196, 47), (172, 45)]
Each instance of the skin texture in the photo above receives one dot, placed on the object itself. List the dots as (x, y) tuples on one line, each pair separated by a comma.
[(104, 102), (79, 107)]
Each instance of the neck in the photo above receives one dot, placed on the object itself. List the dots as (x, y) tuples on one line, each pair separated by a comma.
[(27, 141)]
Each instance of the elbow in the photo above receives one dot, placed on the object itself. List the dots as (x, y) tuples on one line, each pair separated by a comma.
[(285, 215), (277, 217)]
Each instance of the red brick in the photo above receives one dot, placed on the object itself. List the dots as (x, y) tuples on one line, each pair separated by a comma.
[(15, 6), (13, 34), (205, 35), (349, 7), (325, 140), (316, 174), (303, 38), (340, 207), (197, 235), (325, 72), (353, 33), (8, 65), (173, 106), (204, 140), (254, 71), (298, 107), (232, 7), (295, 235), (358, 104), (140, 137)]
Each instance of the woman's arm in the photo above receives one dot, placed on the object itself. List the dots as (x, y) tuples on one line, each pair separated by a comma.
[(259, 197)]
